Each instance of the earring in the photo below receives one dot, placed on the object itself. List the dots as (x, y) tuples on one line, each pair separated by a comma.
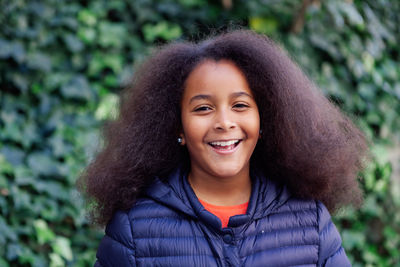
[(260, 131), (179, 140)]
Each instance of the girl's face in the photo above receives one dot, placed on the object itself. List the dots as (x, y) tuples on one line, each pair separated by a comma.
[(220, 119)]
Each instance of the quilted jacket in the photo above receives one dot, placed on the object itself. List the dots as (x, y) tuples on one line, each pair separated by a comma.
[(169, 227)]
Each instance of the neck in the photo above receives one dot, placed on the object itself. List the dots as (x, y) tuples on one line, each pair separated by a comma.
[(221, 191)]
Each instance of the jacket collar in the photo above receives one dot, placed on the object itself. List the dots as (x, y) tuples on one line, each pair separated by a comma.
[(176, 193)]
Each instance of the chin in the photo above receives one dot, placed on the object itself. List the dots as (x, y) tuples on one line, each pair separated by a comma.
[(228, 171)]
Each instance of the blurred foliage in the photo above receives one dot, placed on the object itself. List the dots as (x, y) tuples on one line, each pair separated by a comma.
[(62, 64)]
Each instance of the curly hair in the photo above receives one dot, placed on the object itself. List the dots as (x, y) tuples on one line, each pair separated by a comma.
[(306, 144)]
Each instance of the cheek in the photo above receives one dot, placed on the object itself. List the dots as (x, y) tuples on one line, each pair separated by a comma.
[(194, 131), (253, 125)]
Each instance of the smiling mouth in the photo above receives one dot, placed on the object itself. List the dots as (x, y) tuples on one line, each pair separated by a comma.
[(225, 145)]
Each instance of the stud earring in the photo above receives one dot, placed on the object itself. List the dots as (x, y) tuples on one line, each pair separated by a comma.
[(179, 140)]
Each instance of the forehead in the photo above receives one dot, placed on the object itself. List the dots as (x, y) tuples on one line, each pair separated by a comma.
[(216, 77)]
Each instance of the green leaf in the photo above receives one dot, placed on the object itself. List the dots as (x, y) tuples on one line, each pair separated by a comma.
[(192, 3), (108, 107), (62, 247), (323, 43), (23, 175), (87, 16), (3, 185), (46, 207), (371, 255), (373, 118), (12, 132), (13, 251), (39, 61), (43, 233), (3, 262), (380, 154), (371, 207), (266, 25), (59, 145), (7, 232), (54, 189), (5, 166), (112, 34), (41, 163), (77, 88), (368, 61), (163, 29), (22, 198), (352, 239), (352, 14), (13, 50), (30, 257), (73, 43), (102, 61), (30, 134), (87, 35), (56, 260), (367, 91)]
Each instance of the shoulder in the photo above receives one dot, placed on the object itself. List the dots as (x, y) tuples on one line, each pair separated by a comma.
[(118, 247), (141, 212), (326, 228), (313, 209), (331, 252), (146, 219), (298, 212), (310, 213), (314, 218)]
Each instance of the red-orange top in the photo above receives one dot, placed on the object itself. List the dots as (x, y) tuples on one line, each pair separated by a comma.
[(225, 212)]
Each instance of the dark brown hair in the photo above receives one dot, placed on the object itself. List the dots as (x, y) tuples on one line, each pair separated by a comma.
[(307, 143)]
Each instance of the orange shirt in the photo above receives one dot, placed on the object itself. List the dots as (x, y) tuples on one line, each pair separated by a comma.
[(225, 212)]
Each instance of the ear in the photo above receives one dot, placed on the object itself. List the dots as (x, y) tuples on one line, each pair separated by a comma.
[(181, 135)]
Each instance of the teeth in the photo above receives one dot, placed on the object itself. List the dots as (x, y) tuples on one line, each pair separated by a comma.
[(225, 143)]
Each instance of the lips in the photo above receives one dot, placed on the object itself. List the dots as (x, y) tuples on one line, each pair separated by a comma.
[(225, 146)]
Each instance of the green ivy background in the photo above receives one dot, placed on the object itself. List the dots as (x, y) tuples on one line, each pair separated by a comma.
[(63, 63)]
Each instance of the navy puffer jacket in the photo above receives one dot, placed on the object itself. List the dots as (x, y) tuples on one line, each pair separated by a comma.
[(169, 227)]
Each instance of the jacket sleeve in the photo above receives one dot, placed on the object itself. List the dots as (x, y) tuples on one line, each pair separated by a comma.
[(331, 252), (117, 248)]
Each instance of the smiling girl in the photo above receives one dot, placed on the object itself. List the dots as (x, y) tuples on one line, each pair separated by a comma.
[(224, 154)]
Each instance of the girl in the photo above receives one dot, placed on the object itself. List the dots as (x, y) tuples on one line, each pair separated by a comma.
[(224, 154)]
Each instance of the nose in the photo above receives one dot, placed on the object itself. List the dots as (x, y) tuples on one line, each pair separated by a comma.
[(224, 121)]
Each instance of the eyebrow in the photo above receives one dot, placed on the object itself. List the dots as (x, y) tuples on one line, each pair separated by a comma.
[(198, 97), (233, 95)]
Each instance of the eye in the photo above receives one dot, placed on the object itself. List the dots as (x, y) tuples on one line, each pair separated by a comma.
[(202, 108), (240, 106)]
